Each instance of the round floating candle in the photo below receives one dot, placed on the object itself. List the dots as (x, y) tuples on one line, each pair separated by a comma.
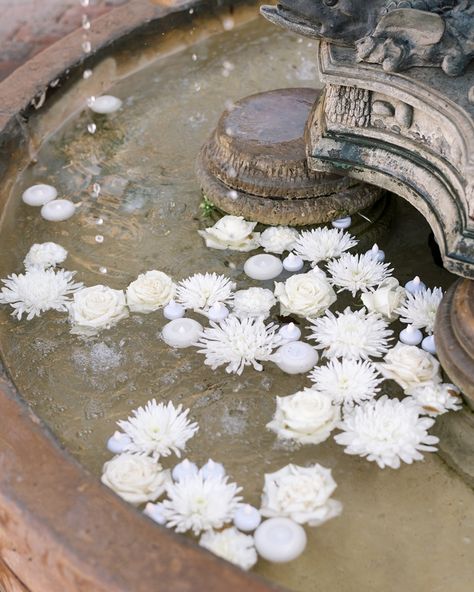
[(429, 344), (105, 104), (263, 267), (181, 332), (293, 263), (296, 357), (212, 469), (247, 518), (280, 540), (218, 312), (173, 310), (415, 285), (342, 222), (184, 469), (155, 512), (118, 442), (290, 332), (58, 210), (38, 195), (376, 253), (411, 336)]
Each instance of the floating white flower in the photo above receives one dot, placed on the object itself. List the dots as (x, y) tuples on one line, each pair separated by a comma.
[(357, 272), (232, 545), (200, 291), (387, 431), (150, 291), (410, 367), (45, 255), (238, 343), (231, 232), (197, 504), (308, 295), (96, 308), (37, 291), (386, 299), (437, 398), (136, 479), (253, 303), (347, 381), (158, 429), (306, 417), (300, 493), (321, 244), (420, 309), (351, 334), (277, 239)]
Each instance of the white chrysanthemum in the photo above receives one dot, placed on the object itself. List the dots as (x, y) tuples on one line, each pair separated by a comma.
[(277, 239), (37, 291), (321, 244), (420, 309), (44, 255), (200, 291), (253, 303), (158, 429), (232, 545), (387, 431), (351, 334), (437, 398), (238, 343), (346, 381), (357, 272), (197, 504)]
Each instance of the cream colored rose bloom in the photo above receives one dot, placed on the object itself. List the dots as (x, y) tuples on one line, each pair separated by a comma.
[(96, 308), (300, 493), (150, 291), (385, 299), (231, 232), (136, 479), (306, 417), (410, 367), (308, 295), (277, 239)]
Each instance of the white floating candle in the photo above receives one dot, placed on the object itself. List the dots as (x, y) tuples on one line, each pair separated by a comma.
[(173, 310), (429, 344), (58, 210), (105, 104), (247, 518), (296, 357), (415, 285), (181, 332), (342, 222), (184, 469), (376, 253), (293, 263), (218, 312), (38, 195), (290, 332), (263, 267), (118, 442), (280, 540), (411, 336), (155, 512), (212, 469)]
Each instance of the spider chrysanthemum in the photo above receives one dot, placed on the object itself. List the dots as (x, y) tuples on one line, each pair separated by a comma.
[(196, 503), (321, 244), (201, 290), (238, 343), (420, 309), (351, 334), (158, 429), (348, 382), (357, 272), (387, 431), (38, 290)]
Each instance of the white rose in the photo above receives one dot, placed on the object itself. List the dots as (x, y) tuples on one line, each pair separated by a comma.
[(308, 295), (231, 232), (307, 417), (410, 367), (253, 303), (45, 255), (96, 308), (300, 493), (277, 239), (136, 479), (437, 398), (385, 299), (232, 545), (150, 291)]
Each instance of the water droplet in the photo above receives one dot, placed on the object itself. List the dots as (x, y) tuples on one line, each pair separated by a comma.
[(99, 221), (86, 24), (99, 238), (91, 128), (103, 269), (194, 57), (233, 194), (191, 11), (86, 46), (84, 3), (228, 23), (90, 101), (87, 74), (95, 190)]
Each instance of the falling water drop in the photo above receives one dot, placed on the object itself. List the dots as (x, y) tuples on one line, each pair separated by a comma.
[(90, 101), (103, 270), (84, 3), (86, 24), (87, 74), (91, 128), (86, 46), (99, 238), (99, 221), (96, 190)]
